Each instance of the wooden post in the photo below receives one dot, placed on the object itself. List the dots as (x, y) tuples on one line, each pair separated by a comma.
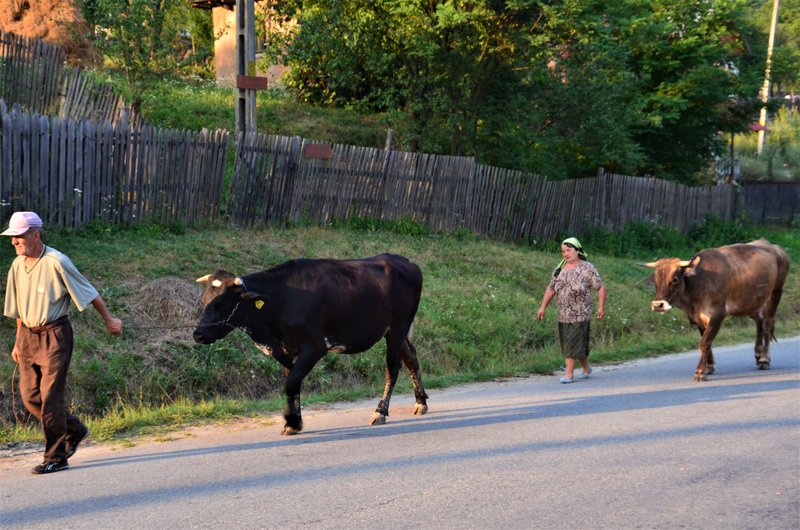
[(245, 64), (765, 89)]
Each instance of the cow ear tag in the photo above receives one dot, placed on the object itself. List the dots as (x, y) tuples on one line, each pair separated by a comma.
[(259, 304)]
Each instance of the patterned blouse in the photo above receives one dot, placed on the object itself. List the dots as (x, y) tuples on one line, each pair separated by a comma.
[(573, 288)]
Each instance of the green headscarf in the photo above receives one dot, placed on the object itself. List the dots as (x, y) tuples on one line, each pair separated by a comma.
[(581, 253)]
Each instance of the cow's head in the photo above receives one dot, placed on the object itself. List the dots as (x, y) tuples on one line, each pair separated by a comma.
[(220, 300), (669, 277)]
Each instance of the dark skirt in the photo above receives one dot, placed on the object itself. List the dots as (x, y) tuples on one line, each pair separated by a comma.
[(574, 339)]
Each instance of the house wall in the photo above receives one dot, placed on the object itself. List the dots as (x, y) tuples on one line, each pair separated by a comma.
[(225, 51)]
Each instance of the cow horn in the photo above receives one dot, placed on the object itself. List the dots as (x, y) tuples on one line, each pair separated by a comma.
[(685, 263), (651, 265), (203, 279), (238, 281)]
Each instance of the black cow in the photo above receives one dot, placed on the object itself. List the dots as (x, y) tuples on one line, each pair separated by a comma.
[(302, 309)]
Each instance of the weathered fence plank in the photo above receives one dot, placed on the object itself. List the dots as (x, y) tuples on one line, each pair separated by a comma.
[(273, 183), (73, 172), (30, 72)]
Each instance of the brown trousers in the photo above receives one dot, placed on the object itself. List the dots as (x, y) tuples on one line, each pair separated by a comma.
[(44, 356)]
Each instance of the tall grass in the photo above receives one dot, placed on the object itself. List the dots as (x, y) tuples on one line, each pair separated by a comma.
[(780, 158), (476, 319), (181, 105)]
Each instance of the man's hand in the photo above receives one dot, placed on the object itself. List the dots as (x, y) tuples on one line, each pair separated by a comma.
[(114, 326)]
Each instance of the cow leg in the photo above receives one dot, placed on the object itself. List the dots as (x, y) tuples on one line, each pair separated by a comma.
[(308, 357), (285, 360), (409, 356), (764, 359), (710, 363), (711, 329), (393, 346), (711, 366), (761, 337), (769, 327)]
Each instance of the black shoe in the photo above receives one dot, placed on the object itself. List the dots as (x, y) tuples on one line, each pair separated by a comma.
[(50, 467), (72, 445)]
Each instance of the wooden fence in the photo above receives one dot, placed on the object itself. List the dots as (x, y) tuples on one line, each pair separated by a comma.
[(84, 99), (30, 72), (75, 171), (281, 179), (771, 202), (34, 76)]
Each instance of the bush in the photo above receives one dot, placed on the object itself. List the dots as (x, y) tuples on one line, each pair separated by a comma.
[(715, 232), (405, 227), (635, 239)]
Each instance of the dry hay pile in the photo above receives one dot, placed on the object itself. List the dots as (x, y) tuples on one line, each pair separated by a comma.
[(54, 21), (166, 310)]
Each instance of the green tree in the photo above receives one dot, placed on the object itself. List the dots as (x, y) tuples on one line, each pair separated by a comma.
[(693, 59), (143, 38), (582, 103), (785, 71), (431, 65), (558, 87)]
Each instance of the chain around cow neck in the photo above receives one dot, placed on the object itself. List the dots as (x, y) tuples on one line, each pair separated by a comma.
[(226, 322)]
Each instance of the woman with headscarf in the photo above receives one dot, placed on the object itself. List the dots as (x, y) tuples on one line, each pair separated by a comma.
[(572, 284)]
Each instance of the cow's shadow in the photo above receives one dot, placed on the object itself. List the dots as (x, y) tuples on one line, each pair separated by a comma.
[(492, 415)]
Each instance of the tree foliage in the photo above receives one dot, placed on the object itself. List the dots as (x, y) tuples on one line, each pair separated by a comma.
[(558, 87), (694, 64), (785, 68), (147, 38)]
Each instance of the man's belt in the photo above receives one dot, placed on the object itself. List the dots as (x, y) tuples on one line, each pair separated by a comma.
[(50, 325)]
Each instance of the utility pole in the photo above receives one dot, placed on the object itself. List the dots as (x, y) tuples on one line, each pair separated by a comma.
[(765, 89), (245, 66)]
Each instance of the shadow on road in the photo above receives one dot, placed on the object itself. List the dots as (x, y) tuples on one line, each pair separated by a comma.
[(571, 406)]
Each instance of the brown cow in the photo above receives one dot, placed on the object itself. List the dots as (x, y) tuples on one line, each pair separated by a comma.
[(740, 280)]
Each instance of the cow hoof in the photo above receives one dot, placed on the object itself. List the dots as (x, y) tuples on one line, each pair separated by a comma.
[(700, 378), (420, 409), (288, 430), (378, 419), (763, 365), (711, 370)]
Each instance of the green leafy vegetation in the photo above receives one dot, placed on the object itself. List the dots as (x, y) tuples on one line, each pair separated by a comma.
[(558, 88), (476, 321), (178, 104), (780, 160)]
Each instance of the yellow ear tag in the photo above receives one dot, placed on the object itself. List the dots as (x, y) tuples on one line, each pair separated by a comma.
[(259, 304)]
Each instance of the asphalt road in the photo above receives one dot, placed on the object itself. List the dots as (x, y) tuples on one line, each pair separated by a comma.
[(639, 445)]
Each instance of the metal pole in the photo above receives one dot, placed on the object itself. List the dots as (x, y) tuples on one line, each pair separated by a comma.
[(765, 89), (245, 64)]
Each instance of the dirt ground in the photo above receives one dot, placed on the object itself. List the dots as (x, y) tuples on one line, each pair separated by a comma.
[(54, 21)]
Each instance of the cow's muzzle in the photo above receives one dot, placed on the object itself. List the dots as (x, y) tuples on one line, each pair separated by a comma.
[(662, 306), (200, 337)]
